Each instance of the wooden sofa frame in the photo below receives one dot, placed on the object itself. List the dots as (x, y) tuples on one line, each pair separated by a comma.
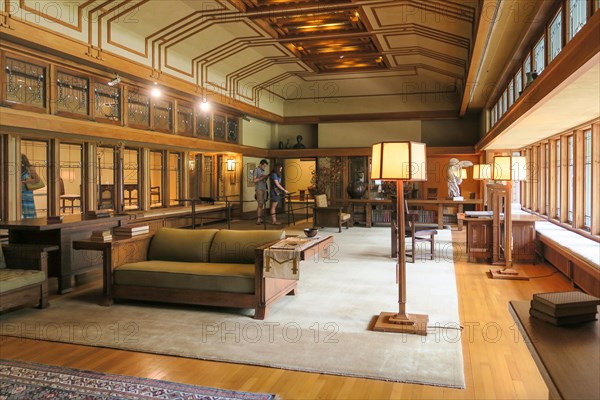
[(25, 256), (266, 290)]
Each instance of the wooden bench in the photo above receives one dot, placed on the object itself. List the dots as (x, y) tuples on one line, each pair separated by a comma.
[(577, 257)]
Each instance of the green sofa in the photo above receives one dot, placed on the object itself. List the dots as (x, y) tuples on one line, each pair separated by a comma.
[(205, 266)]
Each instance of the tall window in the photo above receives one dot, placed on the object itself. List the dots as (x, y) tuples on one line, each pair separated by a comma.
[(175, 178), (539, 56), (34, 203), (570, 177), (131, 179), (587, 181), (518, 83), (71, 178), (106, 174), (558, 179), (156, 178), (555, 36), (577, 16), (511, 93)]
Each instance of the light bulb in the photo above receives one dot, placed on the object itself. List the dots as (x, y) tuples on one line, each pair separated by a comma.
[(205, 105), (155, 91)]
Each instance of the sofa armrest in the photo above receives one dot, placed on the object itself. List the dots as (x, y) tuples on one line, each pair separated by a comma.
[(27, 256)]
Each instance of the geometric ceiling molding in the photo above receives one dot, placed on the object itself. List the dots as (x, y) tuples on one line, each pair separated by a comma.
[(288, 49)]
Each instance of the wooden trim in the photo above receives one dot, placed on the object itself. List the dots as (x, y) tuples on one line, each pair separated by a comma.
[(44, 124), (565, 66), (370, 117), (595, 228)]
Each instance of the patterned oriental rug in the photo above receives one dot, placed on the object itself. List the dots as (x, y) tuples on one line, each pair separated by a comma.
[(29, 381)]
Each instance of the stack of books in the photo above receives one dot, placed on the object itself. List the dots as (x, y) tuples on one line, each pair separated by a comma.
[(98, 213), (130, 231), (101, 236), (564, 308)]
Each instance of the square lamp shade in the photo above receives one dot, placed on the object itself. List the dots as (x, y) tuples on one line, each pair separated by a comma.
[(482, 171), (510, 168), (231, 165), (463, 173), (399, 161)]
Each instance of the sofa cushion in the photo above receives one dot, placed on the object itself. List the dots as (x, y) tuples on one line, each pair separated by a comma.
[(238, 246), (17, 278), (186, 245), (236, 278), (583, 247)]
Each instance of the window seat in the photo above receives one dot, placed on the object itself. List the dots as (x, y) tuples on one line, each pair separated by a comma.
[(577, 257)]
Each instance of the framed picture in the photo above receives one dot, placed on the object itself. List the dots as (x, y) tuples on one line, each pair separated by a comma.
[(250, 167)]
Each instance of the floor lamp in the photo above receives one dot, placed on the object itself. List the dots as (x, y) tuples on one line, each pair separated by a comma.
[(400, 162), (508, 169)]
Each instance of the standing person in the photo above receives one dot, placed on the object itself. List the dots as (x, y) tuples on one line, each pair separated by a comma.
[(28, 175), (259, 177), (276, 191)]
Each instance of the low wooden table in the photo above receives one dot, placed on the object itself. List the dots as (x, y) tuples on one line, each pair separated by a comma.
[(567, 356)]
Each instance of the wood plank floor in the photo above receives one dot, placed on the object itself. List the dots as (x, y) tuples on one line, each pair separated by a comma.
[(497, 362)]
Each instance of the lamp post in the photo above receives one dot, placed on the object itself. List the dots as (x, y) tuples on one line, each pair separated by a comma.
[(400, 162), (508, 169)]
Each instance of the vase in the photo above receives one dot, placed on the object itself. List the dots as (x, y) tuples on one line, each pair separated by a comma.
[(357, 189)]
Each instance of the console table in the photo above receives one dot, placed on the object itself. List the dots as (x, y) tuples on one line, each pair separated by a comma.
[(567, 356), (441, 203), (63, 264)]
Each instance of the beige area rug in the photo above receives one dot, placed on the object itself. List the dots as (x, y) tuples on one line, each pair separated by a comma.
[(323, 329)]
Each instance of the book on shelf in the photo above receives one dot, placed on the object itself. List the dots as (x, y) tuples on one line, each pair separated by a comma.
[(563, 312), (101, 236), (131, 230), (564, 300), (559, 321)]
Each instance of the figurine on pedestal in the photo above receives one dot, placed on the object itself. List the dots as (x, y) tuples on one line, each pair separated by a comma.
[(454, 178)]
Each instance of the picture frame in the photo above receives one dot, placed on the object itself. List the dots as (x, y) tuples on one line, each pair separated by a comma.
[(250, 177)]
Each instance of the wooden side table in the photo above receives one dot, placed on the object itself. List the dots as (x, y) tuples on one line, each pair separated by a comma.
[(116, 252)]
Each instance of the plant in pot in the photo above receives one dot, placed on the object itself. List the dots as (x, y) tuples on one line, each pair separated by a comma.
[(327, 174)]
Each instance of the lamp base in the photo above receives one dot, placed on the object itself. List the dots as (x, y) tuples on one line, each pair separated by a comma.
[(508, 273), (415, 324)]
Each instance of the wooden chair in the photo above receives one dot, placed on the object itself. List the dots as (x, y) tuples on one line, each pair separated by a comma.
[(327, 216), (418, 234)]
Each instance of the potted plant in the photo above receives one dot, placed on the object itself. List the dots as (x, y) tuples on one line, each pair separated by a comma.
[(327, 174)]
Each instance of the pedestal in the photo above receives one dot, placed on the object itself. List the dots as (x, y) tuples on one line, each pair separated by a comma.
[(416, 324)]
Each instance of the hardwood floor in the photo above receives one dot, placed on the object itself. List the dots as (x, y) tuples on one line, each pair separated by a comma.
[(497, 362)]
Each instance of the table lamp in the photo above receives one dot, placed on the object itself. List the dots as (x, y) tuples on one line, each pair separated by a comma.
[(400, 162), (508, 169)]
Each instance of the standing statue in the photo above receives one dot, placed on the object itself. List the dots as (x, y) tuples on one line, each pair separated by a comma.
[(454, 179)]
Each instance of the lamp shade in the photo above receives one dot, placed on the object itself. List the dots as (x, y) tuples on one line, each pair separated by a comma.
[(399, 161), (482, 171), (510, 168), (231, 165), (463, 173)]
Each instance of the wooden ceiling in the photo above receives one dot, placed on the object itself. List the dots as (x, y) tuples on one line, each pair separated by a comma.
[(328, 36)]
